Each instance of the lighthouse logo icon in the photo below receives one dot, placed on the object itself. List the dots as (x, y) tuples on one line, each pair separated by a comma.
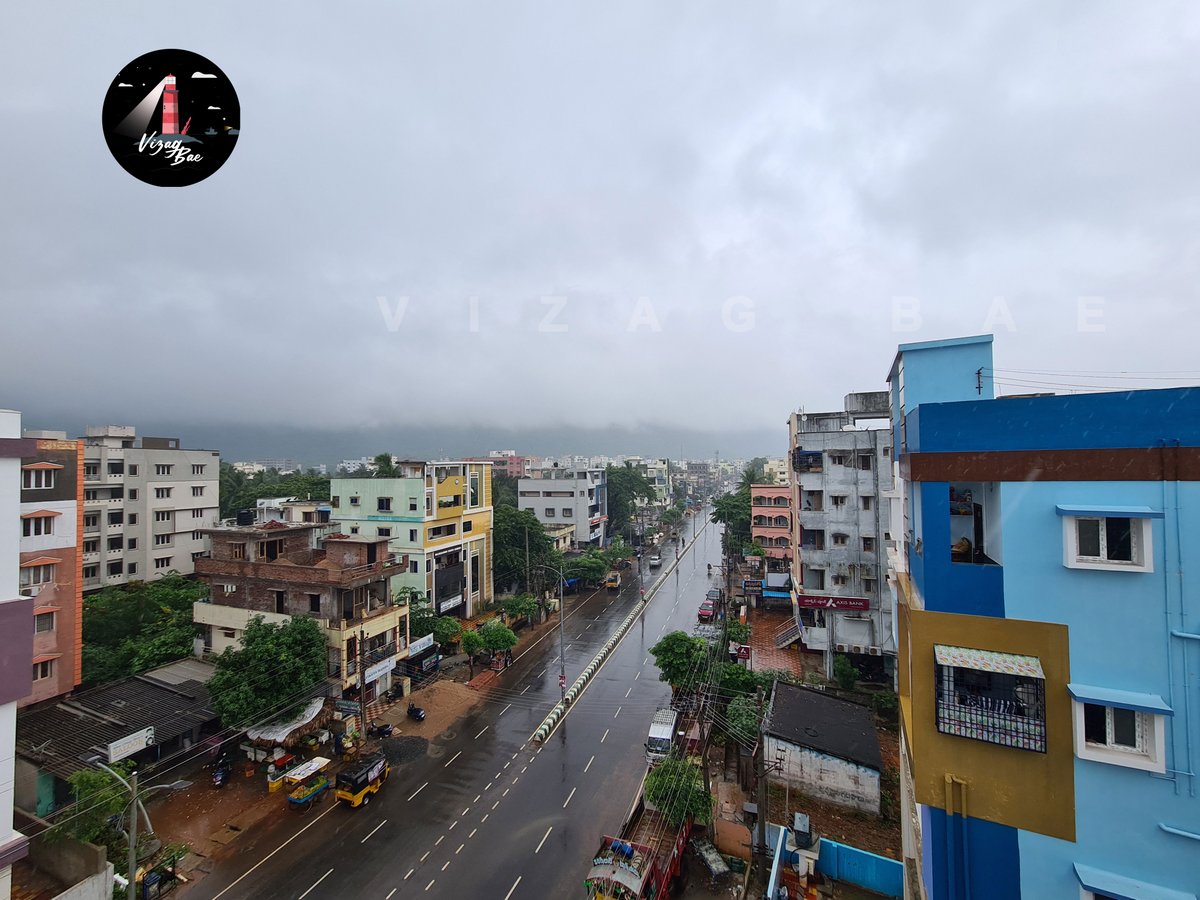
[(143, 109)]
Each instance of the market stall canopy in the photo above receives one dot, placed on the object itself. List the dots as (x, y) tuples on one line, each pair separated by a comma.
[(278, 732)]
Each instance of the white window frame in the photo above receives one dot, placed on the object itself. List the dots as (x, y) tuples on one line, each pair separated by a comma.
[(37, 526), (38, 479), (1142, 536), (1151, 756), (37, 576)]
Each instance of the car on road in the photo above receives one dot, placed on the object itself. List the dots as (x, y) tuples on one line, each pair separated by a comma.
[(707, 611), (714, 595), (655, 561)]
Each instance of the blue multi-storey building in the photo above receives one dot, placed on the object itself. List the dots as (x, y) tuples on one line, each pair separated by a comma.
[(1047, 570)]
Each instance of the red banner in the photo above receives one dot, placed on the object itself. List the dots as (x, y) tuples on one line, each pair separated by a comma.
[(813, 601)]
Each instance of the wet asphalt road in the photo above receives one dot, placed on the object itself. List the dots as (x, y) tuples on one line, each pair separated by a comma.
[(487, 813)]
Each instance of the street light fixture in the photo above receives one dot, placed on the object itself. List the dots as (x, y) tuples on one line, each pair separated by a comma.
[(135, 800)]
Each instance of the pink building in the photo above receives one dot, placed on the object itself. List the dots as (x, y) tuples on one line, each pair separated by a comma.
[(771, 521)]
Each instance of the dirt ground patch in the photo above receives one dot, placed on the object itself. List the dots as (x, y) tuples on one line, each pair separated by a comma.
[(444, 702)]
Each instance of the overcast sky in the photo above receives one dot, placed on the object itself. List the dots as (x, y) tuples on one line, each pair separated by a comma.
[(769, 177)]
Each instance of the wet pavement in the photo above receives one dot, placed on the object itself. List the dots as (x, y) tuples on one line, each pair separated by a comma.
[(485, 813)]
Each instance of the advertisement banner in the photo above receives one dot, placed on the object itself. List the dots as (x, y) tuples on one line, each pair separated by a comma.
[(814, 601)]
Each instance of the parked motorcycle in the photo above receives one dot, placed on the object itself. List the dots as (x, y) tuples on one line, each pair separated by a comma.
[(222, 772), (391, 695), (377, 729), (416, 713)]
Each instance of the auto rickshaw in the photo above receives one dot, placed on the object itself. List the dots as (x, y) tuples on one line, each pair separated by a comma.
[(357, 782)]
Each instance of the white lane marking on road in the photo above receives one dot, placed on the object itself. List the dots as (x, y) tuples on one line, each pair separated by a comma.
[(541, 673), (277, 849), (452, 759), (468, 809), (617, 713), (516, 778), (513, 888), (484, 819), (569, 796), (445, 865), (428, 886), (441, 837), (544, 836), (498, 774), (515, 755), (628, 692), (472, 834), (646, 660), (589, 625), (638, 675), (524, 689), (579, 636), (426, 856), (476, 800), (570, 645), (459, 850), (418, 790), (485, 728), (589, 765), (452, 824), (406, 877), (315, 883), (604, 735), (505, 794), (373, 830), (494, 805), (489, 786), (507, 708)]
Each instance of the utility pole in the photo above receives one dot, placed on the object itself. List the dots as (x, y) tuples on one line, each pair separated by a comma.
[(133, 817), (527, 586), (362, 680), (761, 776), (562, 653)]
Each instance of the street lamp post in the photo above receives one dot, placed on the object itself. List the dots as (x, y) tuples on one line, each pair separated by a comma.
[(135, 801)]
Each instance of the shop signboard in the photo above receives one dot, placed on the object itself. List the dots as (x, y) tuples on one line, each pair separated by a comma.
[(379, 669), (752, 587), (347, 707), (420, 645), (131, 744), (816, 601)]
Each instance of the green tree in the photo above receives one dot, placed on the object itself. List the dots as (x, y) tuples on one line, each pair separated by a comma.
[(504, 490), (522, 606), (472, 644), (591, 567), (385, 466), (509, 529), (733, 511), (742, 717), (421, 617), (733, 679), (447, 630), (239, 491), (99, 798), (497, 636), (625, 485), (272, 663), (739, 632), (675, 787), (617, 551), (844, 673), (129, 629), (680, 658)]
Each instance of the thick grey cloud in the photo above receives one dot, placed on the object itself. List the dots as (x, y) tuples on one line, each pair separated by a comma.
[(817, 159)]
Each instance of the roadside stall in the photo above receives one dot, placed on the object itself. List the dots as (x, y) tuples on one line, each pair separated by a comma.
[(310, 782)]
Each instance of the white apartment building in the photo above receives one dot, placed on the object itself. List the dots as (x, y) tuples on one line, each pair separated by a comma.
[(146, 503), (775, 471), (841, 482), (576, 497)]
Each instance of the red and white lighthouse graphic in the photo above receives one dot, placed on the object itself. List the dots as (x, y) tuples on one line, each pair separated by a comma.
[(170, 123)]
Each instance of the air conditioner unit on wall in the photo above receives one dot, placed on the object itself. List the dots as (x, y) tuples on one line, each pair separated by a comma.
[(840, 648), (875, 651), (856, 649)]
